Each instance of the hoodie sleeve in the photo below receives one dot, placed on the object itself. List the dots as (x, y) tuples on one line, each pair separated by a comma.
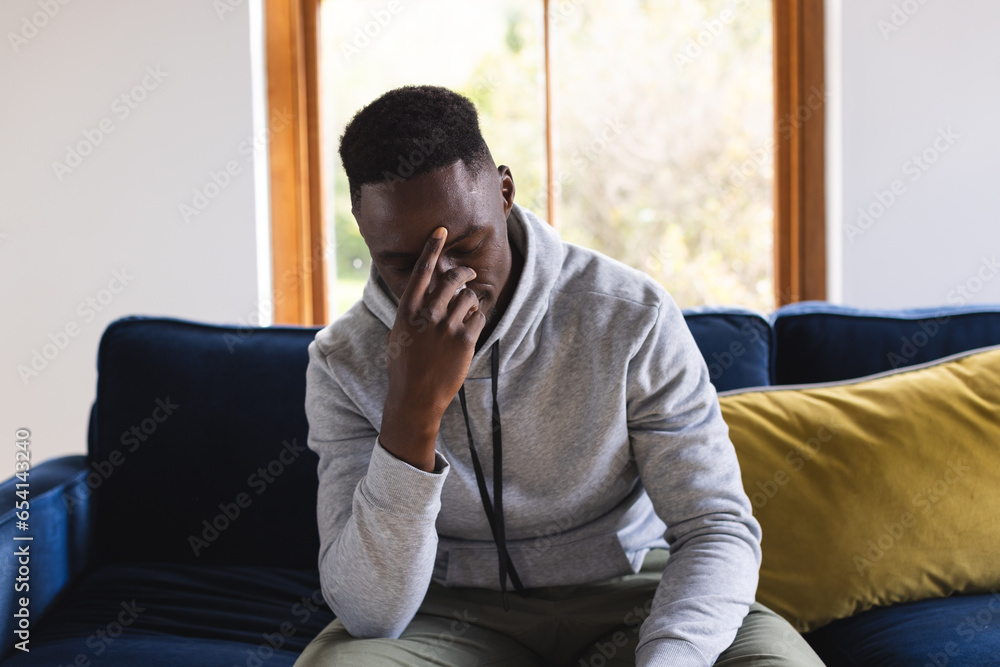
[(689, 468), (376, 513)]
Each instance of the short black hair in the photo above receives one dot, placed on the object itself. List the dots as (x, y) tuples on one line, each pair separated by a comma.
[(410, 131)]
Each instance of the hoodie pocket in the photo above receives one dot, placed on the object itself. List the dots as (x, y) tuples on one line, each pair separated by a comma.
[(539, 562)]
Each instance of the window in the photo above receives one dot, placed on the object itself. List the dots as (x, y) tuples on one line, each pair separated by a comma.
[(492, 52), (658, 105), (656, 131)]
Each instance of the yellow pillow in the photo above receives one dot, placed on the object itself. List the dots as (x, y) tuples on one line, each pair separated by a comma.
[(874, 491)]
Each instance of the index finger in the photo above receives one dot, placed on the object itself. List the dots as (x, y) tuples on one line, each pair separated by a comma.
[(423, 269)]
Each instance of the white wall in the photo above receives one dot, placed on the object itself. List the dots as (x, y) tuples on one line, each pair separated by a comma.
[(909, 77), (111, 229)]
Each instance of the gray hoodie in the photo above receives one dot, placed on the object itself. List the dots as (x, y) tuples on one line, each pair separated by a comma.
[(613, 444)]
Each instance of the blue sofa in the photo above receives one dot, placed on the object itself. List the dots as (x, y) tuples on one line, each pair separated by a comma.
[(187, 534)]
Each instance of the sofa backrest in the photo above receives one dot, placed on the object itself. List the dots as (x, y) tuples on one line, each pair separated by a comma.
[(198, 436), (199, 444), (815, 341), (737, 346)]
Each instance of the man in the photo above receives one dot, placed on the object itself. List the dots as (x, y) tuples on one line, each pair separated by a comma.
[(485, 348)]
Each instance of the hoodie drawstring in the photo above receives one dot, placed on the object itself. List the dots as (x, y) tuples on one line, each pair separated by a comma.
[(494, 513)]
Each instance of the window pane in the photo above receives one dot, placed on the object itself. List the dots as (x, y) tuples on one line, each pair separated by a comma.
[(664, 113), (489, 51)]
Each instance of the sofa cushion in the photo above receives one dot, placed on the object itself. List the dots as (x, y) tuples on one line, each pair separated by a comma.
[(199, 445), (945, 632), (874, 491), (735, 343), (822, 342), (159, 614)]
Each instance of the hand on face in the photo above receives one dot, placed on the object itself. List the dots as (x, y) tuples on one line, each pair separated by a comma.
[(432, 341)]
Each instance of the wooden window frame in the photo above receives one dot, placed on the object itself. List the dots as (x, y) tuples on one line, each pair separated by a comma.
[(297, 221), (298, 237), (799, 158)]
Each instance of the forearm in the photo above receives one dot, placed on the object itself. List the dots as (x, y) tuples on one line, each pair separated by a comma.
[(409, 431), (376, 570), (711, 576), (702, 599)]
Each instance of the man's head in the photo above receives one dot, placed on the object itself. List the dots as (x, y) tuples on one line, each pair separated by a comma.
[(416, 160)]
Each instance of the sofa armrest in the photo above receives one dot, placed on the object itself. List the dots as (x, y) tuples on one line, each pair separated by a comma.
[(60, 528)]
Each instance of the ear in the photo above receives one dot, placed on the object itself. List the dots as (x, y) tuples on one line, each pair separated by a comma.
[(355, 210), (506, 188)]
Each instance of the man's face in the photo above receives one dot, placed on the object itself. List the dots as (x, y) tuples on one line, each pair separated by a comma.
[(397, 218)]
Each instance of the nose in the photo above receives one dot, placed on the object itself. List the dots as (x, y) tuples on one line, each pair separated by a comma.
[(445, 263)]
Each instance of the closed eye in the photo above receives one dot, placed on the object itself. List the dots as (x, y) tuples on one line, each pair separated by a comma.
[(469, 251)]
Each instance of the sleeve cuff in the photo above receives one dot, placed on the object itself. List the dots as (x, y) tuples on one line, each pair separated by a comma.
[(669, 653), (394, 484)]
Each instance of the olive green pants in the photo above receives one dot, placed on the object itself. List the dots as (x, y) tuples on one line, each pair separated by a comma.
[(592, 625)]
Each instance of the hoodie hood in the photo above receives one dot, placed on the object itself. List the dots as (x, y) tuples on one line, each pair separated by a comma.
[(518, 326)]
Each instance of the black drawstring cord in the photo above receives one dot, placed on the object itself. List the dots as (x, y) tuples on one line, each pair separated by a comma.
[(494, 514)]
